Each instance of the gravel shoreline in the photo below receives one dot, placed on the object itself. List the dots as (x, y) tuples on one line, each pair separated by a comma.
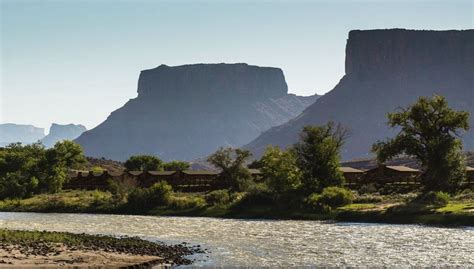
[(58, 249)]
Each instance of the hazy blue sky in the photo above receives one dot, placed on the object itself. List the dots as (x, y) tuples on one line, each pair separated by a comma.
[(76, 61)]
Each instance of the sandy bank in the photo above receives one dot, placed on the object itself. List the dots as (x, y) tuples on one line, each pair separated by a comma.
[(61, 256)]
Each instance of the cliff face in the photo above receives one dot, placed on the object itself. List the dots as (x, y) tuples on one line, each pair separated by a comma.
[(59, 132), (385, 70), (12, 133), (185, 112)]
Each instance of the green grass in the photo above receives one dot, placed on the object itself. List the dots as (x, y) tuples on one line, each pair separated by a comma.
[(394, 208)]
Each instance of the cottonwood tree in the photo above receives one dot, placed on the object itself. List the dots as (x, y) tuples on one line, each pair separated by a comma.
[(143, 163), (429, 131), (231, 162), (280, 171), (176, 166), (318, 156)]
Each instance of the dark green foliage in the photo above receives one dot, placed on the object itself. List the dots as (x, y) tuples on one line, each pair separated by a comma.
[(280, 171), (317, 156), (429, 132), (144, 163), (176, 166), (437, 198), (331, 196), (145, 198), (231, 162), (29, 169), (218, 197)]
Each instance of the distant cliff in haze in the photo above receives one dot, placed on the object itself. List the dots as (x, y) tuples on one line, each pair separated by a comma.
[(12, 133), (385, 70), (59, 132), (185, 112)]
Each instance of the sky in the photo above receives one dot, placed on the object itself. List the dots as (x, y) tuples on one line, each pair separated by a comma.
[(77, 61)]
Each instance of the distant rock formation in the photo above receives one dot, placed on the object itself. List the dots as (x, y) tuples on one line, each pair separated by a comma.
[(385, 70), (12, 133), (58, 132), (188, 111)]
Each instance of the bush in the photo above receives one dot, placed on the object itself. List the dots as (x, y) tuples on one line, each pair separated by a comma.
[(336, 196), (259, 195), (218, 197), (367, 188), (156, 195), (331, 197), (186, 202), (368, 198), (437, 198)]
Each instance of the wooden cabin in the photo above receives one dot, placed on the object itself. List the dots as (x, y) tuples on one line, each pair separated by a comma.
[(392, 174), (352, 176), (470, 176), (198, 180), (152, 177)]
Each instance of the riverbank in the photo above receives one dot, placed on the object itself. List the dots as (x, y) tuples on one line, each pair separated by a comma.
[(58, 249), (393, 209)]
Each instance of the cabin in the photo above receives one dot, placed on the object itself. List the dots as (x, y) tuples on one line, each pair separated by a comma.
[(88, 180), (198, 180), (152, 177), (392, 174), (352, 176), (470, 176)]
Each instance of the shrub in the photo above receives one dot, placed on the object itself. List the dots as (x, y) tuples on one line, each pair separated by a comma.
[(367, 188), (313, 203), (158, 194), (218, 197), (257, 196), (186, 202), (437, 198), (368, 198), (336, 197)]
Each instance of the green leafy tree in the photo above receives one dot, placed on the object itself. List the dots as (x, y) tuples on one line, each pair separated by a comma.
[(280, 170), (29, 169), (144, 163), (231, 162), (429, 132), (176, 166), (69, 154), (318, 156)]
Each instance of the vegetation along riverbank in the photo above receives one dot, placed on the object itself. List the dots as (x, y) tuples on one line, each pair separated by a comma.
[(304, 181), (58, 249)]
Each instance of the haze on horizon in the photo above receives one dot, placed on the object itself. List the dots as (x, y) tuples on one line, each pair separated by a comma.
[(77, 61)]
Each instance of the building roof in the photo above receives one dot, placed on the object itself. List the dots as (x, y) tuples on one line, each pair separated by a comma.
[(200, 172), (401, 168), (135, 173), (347, 169), (161, 173), (469, 169)]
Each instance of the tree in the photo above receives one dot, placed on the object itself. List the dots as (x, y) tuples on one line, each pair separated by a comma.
[(69, 153), (318, 156), (176, 166), (231, 162), (29, 169), (144, 163), (429, 132), (280, 170)]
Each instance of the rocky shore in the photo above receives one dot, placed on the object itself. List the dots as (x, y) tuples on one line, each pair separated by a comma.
[(56, 249)]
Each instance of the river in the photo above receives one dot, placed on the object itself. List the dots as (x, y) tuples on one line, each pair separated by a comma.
[(274, 243)]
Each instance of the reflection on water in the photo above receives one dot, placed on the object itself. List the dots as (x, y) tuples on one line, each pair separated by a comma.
[(275, 243)]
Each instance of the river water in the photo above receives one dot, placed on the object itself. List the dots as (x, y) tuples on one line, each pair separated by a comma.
[(274, 243)]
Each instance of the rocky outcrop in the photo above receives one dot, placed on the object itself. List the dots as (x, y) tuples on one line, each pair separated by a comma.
[(12, 133), (387, 69), (185, 112), (59, 132)]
